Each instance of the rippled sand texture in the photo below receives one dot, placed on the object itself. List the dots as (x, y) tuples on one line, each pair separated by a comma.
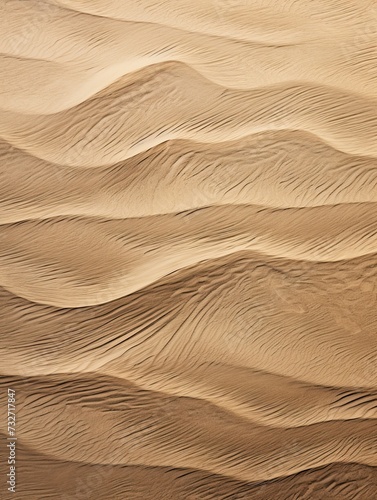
[(188, 248)]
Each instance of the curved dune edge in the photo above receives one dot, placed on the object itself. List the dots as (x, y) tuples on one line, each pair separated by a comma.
[(144, 483), (115, 132), (182, 433), (118, 257), (268, 409), (141, 482), (295, 298), (290, 53), (204, 175)]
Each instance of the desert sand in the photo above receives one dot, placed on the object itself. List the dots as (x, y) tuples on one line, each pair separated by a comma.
[(188, 248)]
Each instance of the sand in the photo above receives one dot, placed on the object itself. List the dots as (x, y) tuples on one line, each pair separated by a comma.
[(188, 248)]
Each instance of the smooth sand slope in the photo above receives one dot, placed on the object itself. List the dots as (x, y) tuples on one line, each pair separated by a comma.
[(188, 248)]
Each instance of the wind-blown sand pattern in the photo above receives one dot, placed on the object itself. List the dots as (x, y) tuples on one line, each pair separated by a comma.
[(188, 248)]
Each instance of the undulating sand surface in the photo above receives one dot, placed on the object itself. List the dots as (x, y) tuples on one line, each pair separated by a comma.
[(188, 248)]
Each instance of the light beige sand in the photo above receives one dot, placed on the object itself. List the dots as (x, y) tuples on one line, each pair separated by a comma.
[(188, 248)]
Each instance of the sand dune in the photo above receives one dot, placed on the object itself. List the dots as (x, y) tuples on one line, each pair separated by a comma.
[(172, 101), (188, 248), (179, 176), (240, 45)]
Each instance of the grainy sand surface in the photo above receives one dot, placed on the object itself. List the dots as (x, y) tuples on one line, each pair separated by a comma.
[(188, 248)]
